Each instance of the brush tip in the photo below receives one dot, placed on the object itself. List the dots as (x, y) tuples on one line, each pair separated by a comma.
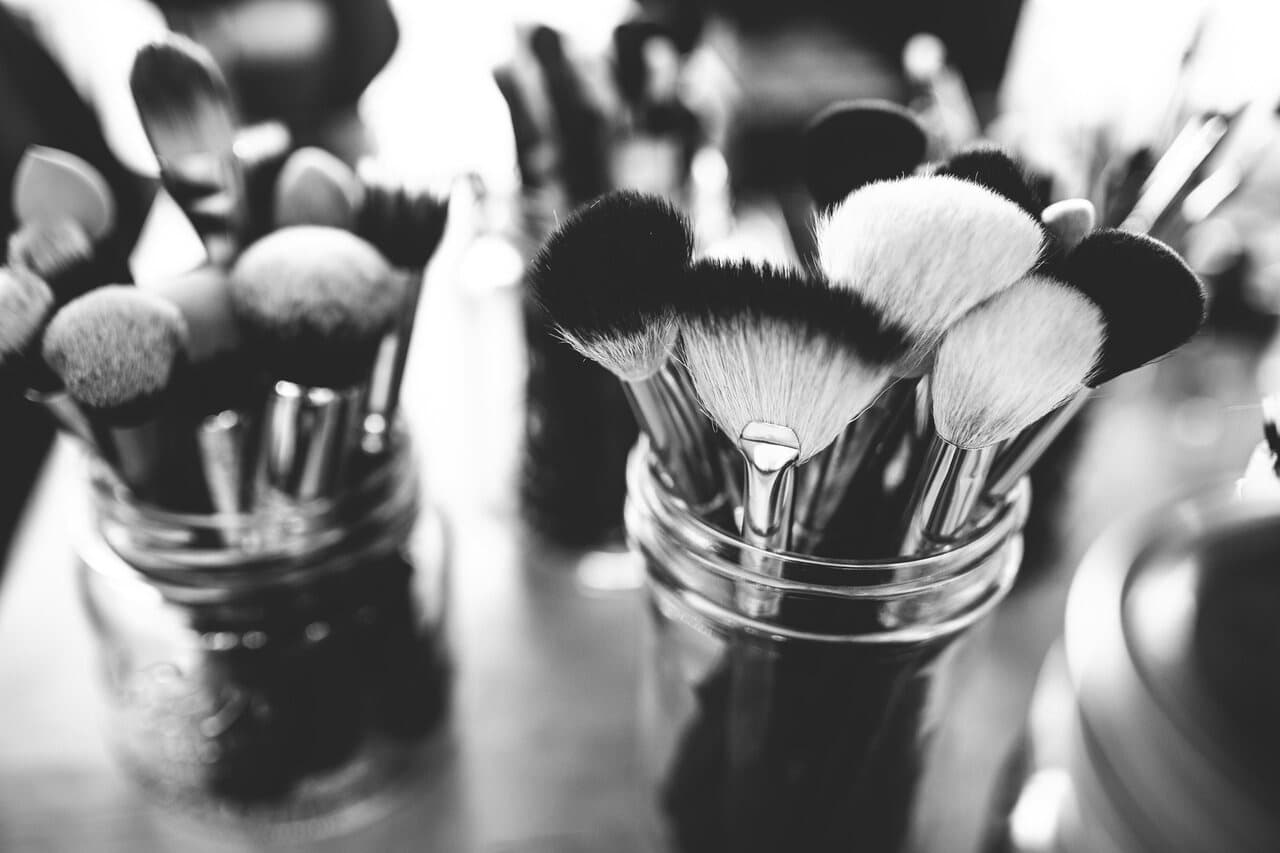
[(853, 143), (316, 188), (183, 100), (53, 249), (992, 167), (316, 301), (606, 278), (1151, 300), (1012, 360), (116, 349), (25, 304)]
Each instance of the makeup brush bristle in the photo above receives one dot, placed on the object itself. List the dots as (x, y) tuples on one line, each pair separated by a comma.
[(1012, 360), (993, 168), (182, 98), (25, 304), (771, 345), (1151, 300), (116, 349), (923, 250), (606, 279), (316, 188), (404, 222), (853, 143), (52, 249), (316, 302)]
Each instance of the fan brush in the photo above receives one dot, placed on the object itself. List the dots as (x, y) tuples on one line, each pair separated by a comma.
[(1003, 366), (406, 223)]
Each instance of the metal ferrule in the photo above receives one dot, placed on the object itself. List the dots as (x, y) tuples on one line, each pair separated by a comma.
[(223, 440), (388, 369), (951, 483), (771, 452), (1018, 455), (309, 434)]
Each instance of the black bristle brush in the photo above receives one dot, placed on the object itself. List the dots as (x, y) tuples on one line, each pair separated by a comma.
[(314, 304), (119, 352), (583, 162), (189, 118), (406, 224), (1000, 368), (607, 279), (1151, 304), (854, 143), (992, 167)]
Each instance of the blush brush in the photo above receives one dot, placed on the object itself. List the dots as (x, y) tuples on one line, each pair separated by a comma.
[(1151, 304), (1004, 365), (314, 304), (187, 112)]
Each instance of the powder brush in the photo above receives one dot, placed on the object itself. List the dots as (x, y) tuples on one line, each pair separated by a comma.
[(923, 250), (314, 304), (119, 352), (607, 279), (189, 118), (781, 362), (1004, 365), (853, 143), (1151, 304)]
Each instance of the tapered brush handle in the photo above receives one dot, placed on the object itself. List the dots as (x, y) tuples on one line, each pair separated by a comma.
[(951, 483), (821, 483), (675, 443), (1174, 171), (1019, 455)]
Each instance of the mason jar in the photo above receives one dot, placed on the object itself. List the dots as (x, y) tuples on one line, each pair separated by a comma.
[(805, 727), (275, 671)]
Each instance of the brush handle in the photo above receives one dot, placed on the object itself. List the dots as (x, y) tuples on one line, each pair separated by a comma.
[(715, 458), (388, 371), (68, 416), (676, 443), (1174, 171), (309, 434), (950, 485), (210, 190), (771, 453), (1017, 457), (823, 481)]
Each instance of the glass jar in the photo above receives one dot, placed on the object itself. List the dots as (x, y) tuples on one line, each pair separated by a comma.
[(274, 671), (1152, 727), (805, 727)]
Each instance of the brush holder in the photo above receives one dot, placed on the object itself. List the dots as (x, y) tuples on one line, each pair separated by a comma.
[(805, 726), (273, 672)]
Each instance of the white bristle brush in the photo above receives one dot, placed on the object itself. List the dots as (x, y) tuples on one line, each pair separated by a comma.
[(1001, 368)]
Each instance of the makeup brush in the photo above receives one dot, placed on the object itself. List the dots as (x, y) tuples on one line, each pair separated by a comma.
[(948, 105), (26, 303), (314, 303), (1176, 169), (59, 251), (781, 362), (1069, 221), (923, 250), (117, 351), (1003, 366), (993, 168), (854, 143), (187, 113), (406, 224), (50, 184), (316, 188), (580, 126), (1151, 304), (607, 279)]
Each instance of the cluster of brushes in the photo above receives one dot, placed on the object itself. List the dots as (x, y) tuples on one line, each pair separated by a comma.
[(947, 327), (265, 381), (267, 374)]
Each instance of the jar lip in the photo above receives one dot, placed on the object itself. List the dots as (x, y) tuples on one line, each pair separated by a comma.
[(923, 571)]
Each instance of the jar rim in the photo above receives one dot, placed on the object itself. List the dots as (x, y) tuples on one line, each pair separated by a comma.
[(905, 576)]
